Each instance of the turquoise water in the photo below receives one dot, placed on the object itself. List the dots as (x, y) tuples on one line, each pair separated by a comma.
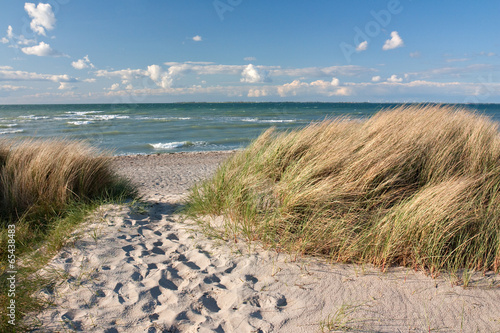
[(152, 128)]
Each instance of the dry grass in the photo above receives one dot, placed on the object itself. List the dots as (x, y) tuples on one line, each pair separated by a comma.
[(415, 186), (43, 177), (46, 190)]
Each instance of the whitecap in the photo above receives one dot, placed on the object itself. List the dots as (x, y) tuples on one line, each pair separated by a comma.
[(33, 117), (278, 121), (80, 122), (109, 117), (252, 120), (11, 131), (8, 125), (173, 145), (82, 113)]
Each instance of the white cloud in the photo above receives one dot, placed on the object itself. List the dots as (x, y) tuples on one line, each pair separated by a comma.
[(348, 70), (160, 77), (41, 50), (257, 93), (82, 63), (362, 46), (10, 33), (376, 78), (328, 88), (114, 86), (197, 38), (90, 80), (5, 68), (415, 54), (9, 75), (250, 59), (251, 74), (395, 79), (394, 42), (65, 86), (42, 17), (9, 87)]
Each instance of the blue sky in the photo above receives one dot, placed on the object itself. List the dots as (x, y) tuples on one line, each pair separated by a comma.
[(133, 51)]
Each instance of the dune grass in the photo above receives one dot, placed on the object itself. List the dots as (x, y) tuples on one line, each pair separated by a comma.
[(416, 186), (47, 187)]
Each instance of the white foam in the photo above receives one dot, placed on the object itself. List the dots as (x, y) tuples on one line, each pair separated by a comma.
[(80, 122), (163, 118), (11, 131), (82, 113), (8, 125), (277, 121), (257, 120), (33, 117), (173, 145), (109, 117)]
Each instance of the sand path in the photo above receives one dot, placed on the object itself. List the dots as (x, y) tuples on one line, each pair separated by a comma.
[(141, 268)]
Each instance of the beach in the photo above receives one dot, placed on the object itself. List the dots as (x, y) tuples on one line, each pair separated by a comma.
[(143, 267)]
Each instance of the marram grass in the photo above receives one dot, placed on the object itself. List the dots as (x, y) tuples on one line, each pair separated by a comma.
[(416, 186), (47, 187)]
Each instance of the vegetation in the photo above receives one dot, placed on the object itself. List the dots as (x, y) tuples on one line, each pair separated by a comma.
[(415, 186), (46, 189)]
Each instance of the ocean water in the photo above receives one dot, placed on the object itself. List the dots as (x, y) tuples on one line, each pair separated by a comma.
[(158, 128)]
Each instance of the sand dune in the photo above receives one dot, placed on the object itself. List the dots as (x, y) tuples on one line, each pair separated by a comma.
[(142, 268)]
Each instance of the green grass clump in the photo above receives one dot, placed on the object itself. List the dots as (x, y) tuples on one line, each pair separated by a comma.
[(415, 186), (47, 187)]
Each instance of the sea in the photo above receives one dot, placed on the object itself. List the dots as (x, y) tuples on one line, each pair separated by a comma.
[(127, 129)]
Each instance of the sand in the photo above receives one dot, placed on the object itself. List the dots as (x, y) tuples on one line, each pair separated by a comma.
[(141, 267)]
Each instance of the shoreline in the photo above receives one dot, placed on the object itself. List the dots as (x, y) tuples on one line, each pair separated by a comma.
[(142, 267)]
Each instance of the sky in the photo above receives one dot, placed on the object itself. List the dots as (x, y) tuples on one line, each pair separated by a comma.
[(141, 51)]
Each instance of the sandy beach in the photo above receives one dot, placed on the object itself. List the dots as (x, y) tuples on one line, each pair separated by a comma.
[(141, 267)]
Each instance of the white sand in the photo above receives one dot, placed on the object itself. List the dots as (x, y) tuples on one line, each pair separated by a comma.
[(140, 268)]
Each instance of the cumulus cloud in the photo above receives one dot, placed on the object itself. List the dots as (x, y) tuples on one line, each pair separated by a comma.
[(328, 88), (394, 42), (253, 75), (82, 63), (65, 86), (16, 40), (114, 86), (42, 17), (159, 76), (257, 93), (362, 46), (376, 78), (395, 79), (197, 38), (10, 33), (41, 50)]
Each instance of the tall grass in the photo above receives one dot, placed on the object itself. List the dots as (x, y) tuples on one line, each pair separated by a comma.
[(415, 186), (46, 189)]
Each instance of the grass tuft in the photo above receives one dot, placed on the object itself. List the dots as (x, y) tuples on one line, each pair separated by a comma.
[(47, 187), (415, 186)]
